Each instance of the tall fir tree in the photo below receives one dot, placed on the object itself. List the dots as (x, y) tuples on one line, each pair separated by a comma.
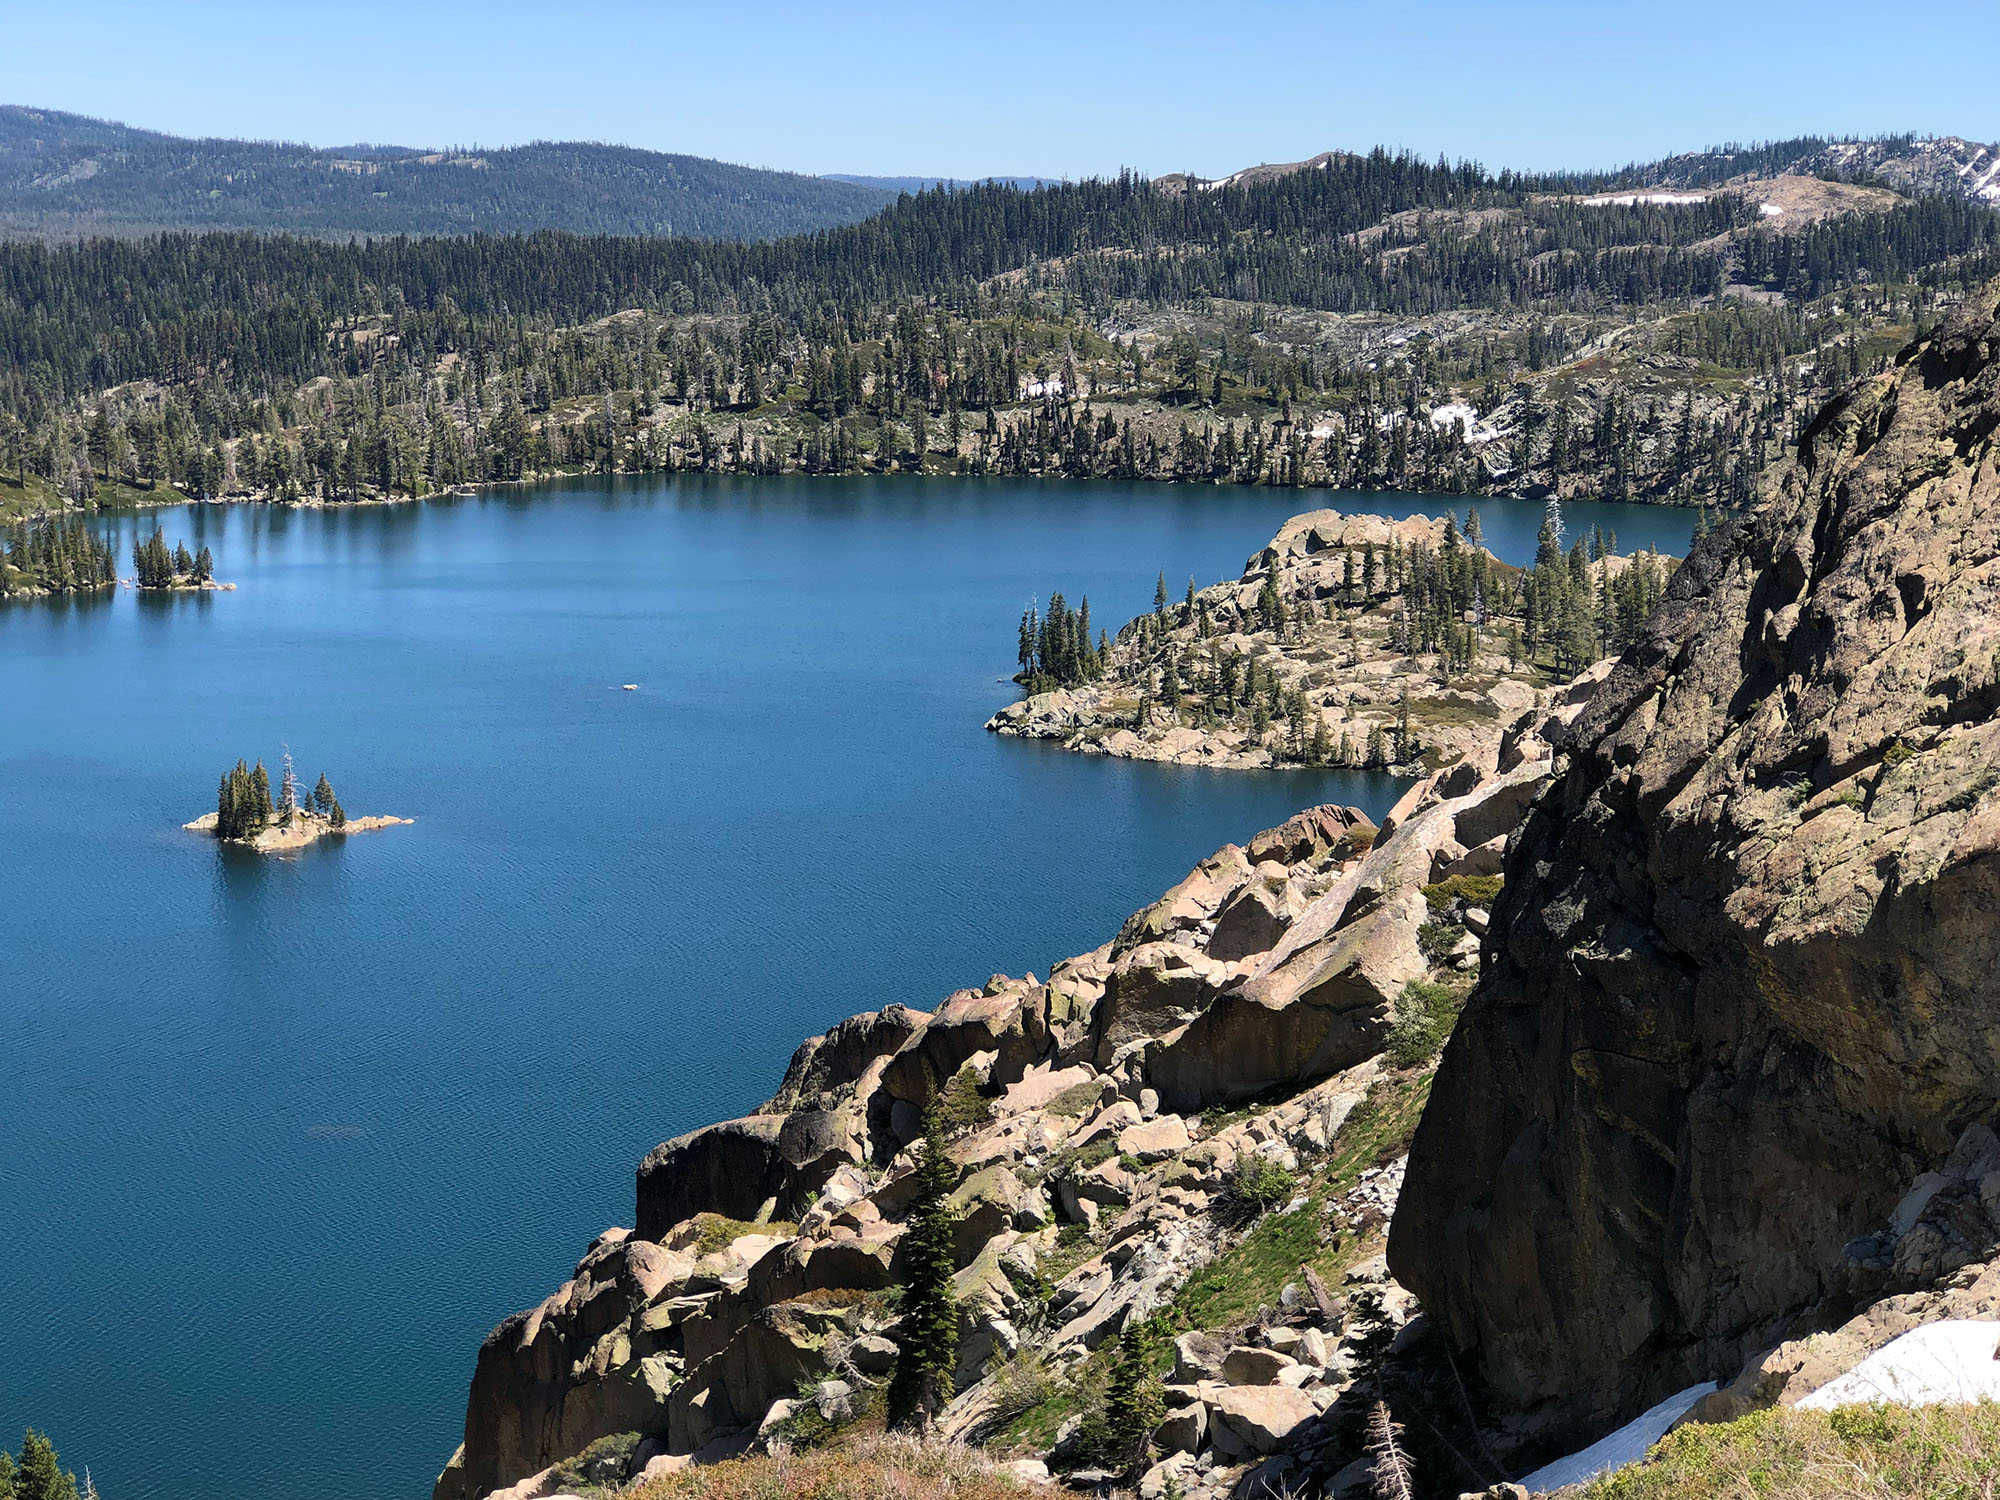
[(40, 1475), (927, 1333)]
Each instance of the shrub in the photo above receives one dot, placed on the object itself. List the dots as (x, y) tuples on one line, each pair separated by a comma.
[(604, 1462), (1023, 1383), (1075, 1099), (1425, 1014), (963, 1106), (1259, 1184), (1435, 940), (1473, 890)]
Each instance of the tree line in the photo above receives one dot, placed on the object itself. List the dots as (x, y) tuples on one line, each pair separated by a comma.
[(157, 568), (56, 555), (260, 364), (244, 806)]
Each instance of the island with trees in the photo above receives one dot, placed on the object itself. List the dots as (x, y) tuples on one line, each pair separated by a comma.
[(154, 567), (246, 814)]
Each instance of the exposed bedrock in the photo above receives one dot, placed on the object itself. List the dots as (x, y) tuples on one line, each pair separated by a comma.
[(1274, 971), (1744, 976)]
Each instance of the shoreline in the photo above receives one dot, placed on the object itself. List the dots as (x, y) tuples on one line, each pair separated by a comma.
[(305, 828), (472, 489)]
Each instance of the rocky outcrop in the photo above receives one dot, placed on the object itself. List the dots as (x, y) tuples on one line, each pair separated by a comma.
[(1744, 975), (1344, 647), (746, 1298), (304, 827)]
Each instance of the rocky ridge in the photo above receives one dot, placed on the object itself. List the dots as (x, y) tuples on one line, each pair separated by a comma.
[(1232, 1033), (1740, 982), (1338, 645)]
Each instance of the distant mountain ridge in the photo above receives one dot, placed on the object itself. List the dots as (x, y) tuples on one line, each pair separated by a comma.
[(66, 175), (919, 184), (1946, 166)]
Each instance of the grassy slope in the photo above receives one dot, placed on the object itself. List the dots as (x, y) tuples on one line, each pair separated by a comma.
[(873, 1468), (1861, 1453)]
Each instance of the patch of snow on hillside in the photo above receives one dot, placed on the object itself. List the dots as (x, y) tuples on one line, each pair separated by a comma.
[(1769, 210), (1627, 200), (1451, 413), (1625, 1446), (1949, 1361)]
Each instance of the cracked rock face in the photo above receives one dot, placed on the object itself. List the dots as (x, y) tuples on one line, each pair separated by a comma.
[(1745, 973)]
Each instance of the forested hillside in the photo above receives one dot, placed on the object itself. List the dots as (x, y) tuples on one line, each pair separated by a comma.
[(65, 175), (1375, 321)]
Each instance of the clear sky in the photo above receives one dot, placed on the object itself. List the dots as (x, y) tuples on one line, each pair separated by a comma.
[(1054, 89)]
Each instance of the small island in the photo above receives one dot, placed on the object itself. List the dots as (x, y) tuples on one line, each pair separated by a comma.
[(154, 567), (246, 815)]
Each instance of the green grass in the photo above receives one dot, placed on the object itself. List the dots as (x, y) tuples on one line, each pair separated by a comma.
[(36, 496), (1073, 1101), (1857, 1453), (718, 1233), (1250, 1274), (1230, 1288)]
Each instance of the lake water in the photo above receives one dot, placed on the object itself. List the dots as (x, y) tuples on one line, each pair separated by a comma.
[(280, 1140)]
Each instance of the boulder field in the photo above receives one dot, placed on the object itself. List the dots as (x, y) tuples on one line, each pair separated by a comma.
[(1115, 1106), (1742, 986)]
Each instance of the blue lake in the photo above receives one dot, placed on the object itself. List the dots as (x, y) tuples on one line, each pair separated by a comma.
[(280, 1140)]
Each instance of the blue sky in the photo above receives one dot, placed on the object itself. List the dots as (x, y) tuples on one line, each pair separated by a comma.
[(1024, 88)]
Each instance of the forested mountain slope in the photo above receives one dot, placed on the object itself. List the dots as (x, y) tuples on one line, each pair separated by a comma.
[(1377, 321), (66, 175)]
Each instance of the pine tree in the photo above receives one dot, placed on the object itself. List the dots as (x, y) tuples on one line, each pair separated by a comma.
[(1134, 1402), (260, 796), (322, 796), (40, 1476), (927, 1333), (1160, 594)]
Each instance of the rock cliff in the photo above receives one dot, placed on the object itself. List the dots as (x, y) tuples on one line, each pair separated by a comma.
[(1744, 976), (1110, 1118)]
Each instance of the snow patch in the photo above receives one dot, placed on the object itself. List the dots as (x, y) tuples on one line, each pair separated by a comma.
[(1627, 200), (1625, 1446), (1954, 1360), (1769, 210), (1464, 414)]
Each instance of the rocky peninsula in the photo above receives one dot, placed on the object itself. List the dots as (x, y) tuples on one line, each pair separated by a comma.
[(1348, 640)]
